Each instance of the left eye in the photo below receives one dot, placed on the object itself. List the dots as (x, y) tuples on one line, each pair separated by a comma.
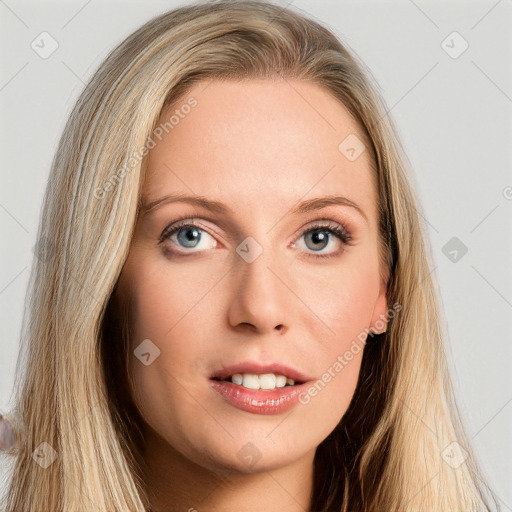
[(319, 237)]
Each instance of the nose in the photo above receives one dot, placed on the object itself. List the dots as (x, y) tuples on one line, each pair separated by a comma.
[(260, 299)]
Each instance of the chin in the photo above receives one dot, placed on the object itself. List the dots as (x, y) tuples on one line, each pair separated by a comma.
[(247, 451)]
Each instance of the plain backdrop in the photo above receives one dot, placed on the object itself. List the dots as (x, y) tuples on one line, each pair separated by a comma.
[(444, 69)]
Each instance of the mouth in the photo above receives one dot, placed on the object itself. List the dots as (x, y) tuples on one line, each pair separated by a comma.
[(260, 389)]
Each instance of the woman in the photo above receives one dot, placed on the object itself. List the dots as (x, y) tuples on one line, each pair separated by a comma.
[(234, 309)]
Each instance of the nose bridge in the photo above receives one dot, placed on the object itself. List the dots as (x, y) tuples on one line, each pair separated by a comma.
[(259, 295)]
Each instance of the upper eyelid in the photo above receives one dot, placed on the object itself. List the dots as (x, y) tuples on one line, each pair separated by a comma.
[(198, 221), (178, 223), (326, 219)]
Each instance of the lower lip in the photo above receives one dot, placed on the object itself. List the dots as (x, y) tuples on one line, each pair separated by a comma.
[(257, 401)]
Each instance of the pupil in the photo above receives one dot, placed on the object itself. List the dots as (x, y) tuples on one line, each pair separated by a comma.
[(319, 236)]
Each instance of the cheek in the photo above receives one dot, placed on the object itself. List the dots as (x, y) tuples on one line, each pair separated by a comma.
[(342, 300), (167, 301), (344, 303), (172, 301)]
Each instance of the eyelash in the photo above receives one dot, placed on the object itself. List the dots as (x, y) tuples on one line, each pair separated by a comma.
[(334, 228)]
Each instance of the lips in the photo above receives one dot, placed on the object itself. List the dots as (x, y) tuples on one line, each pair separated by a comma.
[(258, 388)]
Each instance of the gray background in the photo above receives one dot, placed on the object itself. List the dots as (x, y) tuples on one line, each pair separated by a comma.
[(454, 118)]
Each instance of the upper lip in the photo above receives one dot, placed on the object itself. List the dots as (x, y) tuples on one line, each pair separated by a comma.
[(261, 368)]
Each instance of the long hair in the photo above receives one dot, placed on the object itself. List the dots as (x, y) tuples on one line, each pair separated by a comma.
[(400, 446)]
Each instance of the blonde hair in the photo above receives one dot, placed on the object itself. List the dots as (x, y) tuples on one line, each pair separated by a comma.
[(389, 450)]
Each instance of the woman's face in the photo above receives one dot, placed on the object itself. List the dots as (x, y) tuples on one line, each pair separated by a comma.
[(256, 282)]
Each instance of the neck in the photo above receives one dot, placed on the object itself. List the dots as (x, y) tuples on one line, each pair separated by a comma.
[(175, 483)]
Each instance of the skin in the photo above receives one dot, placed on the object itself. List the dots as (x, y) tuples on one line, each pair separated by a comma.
[(7, 434), (260, 147)]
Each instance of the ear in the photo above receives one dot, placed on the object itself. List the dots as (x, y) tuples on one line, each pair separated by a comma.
[(379, 320)]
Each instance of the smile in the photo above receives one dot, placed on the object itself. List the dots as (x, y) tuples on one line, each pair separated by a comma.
[(259, 389)]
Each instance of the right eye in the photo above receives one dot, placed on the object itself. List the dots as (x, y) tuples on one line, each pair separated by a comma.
[(187, 235)]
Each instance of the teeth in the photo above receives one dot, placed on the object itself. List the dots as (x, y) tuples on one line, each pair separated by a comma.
[(263, 381), (237, 379), (251, 381), (268, 381), (280, 381)]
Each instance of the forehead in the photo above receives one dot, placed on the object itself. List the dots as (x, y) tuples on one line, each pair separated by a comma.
[(257, 142)]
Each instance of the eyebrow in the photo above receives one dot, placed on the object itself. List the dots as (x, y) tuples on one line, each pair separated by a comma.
[(308, 205), (323, 202), (209, 204)]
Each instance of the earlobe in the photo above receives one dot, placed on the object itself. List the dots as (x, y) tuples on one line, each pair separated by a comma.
[(379, 320)]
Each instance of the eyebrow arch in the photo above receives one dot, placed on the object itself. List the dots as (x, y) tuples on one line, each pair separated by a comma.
[(316, 203)]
